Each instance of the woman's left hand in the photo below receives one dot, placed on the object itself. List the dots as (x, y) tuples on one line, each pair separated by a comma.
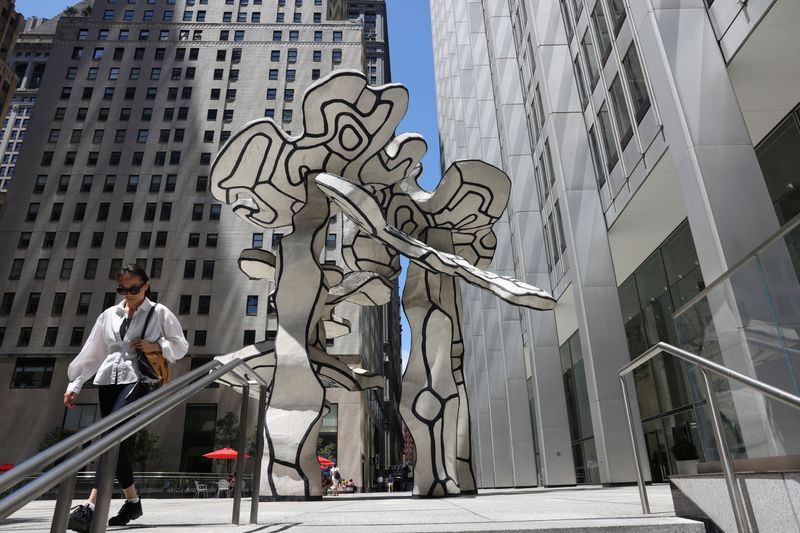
[(145, 346)]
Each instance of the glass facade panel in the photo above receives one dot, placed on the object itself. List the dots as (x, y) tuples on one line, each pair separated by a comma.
[(198, 437), (664, 389), (578, 412), (621, 112), (612, 156), (636, 83), (601, 29), (779, 157), (591, 59)]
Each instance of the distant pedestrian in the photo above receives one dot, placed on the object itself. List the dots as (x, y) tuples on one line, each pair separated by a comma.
[(336, 478), (110, 354), (390, 483), (379, 483)]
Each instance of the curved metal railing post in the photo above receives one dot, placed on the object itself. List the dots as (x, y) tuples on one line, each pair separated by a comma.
[(237, 488), (734, 491), (707, 367), (255, 482), (55, 452), (636, 452), (151, 407), (66, 492), (105, 486), (72, 464)]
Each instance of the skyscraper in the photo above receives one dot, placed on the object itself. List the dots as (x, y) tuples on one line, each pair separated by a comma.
[(650, 149), (28, 63), (134, 103), (10, 26)]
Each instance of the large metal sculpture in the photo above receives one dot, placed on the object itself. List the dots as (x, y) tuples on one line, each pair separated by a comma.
[(349, 159)]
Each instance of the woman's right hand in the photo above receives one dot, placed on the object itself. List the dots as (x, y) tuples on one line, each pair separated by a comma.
[(69, 399)]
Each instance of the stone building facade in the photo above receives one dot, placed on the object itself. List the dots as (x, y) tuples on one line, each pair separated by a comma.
[(133, 104)]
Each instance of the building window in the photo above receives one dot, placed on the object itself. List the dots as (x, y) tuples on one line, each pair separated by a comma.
[(84, 301), (208, 270), (41, 269), (33, 372), (185, 304), (258, 240), (204, 305), (16, 268), (617, 8), (621, 112), (66, 269), (198, 437), (252, 306), (50, 337), (591, 59), (330, 241), (200, 337), (33, 303), (636, 82), (606, 129), (7, 303)]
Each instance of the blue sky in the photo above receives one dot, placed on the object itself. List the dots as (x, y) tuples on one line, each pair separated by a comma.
[(411, 55)]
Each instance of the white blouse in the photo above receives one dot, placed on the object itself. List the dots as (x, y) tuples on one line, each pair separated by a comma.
[(111, 358)]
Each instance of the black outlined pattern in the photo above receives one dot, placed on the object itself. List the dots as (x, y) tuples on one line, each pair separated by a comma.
[(266, 176), (349, 156), (431, 229)]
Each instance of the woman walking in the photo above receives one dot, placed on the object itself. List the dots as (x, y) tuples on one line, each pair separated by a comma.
[(110, 354)]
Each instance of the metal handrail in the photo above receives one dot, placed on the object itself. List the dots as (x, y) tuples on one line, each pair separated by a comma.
[(785, 229), (55, 452), (706, 367), (151, 407)]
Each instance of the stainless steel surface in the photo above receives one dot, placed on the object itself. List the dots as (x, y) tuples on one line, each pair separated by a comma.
[(105, 487), (255, 483), (707, 367), (734, 491), (237, 488), (782, 232), (69, 466), (636, 452), (66, 492), (53, 453), (766, 389)]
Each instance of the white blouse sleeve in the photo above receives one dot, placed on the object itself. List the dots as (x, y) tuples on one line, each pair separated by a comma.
[(173, 344), (90, 358)]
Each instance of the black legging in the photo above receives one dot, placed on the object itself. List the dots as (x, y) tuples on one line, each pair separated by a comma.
[(113, 398)]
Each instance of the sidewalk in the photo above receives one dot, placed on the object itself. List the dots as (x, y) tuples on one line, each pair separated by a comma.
[(570, 509)]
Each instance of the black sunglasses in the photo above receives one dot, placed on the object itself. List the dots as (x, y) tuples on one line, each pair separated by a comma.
[(132, 290)]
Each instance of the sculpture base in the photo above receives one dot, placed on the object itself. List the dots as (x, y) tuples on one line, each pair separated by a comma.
[(290, 498)]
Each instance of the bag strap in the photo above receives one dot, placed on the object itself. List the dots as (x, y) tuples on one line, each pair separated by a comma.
[(147, 321)]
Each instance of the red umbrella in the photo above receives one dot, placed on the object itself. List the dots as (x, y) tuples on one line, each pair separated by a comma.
[(324, 462), (6, 467), (224, 453)]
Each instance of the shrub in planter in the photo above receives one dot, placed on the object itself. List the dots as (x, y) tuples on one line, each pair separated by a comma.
[(684, 450)]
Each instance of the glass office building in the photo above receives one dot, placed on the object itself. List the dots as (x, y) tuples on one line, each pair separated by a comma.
[(653, 158)]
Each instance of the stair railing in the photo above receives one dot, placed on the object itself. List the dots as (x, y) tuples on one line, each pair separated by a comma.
[(707, 369), (148, 408)]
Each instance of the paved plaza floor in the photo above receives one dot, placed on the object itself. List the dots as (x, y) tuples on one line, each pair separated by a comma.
[(587, 508)]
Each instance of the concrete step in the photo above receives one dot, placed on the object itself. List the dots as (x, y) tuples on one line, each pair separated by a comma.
[(576, 509), (772, 500)]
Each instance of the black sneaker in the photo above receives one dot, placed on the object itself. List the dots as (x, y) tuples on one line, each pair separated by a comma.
[(130, 511), (80, 519)]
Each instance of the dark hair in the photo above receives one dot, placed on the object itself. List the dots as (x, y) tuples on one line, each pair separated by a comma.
[(135, 269)]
